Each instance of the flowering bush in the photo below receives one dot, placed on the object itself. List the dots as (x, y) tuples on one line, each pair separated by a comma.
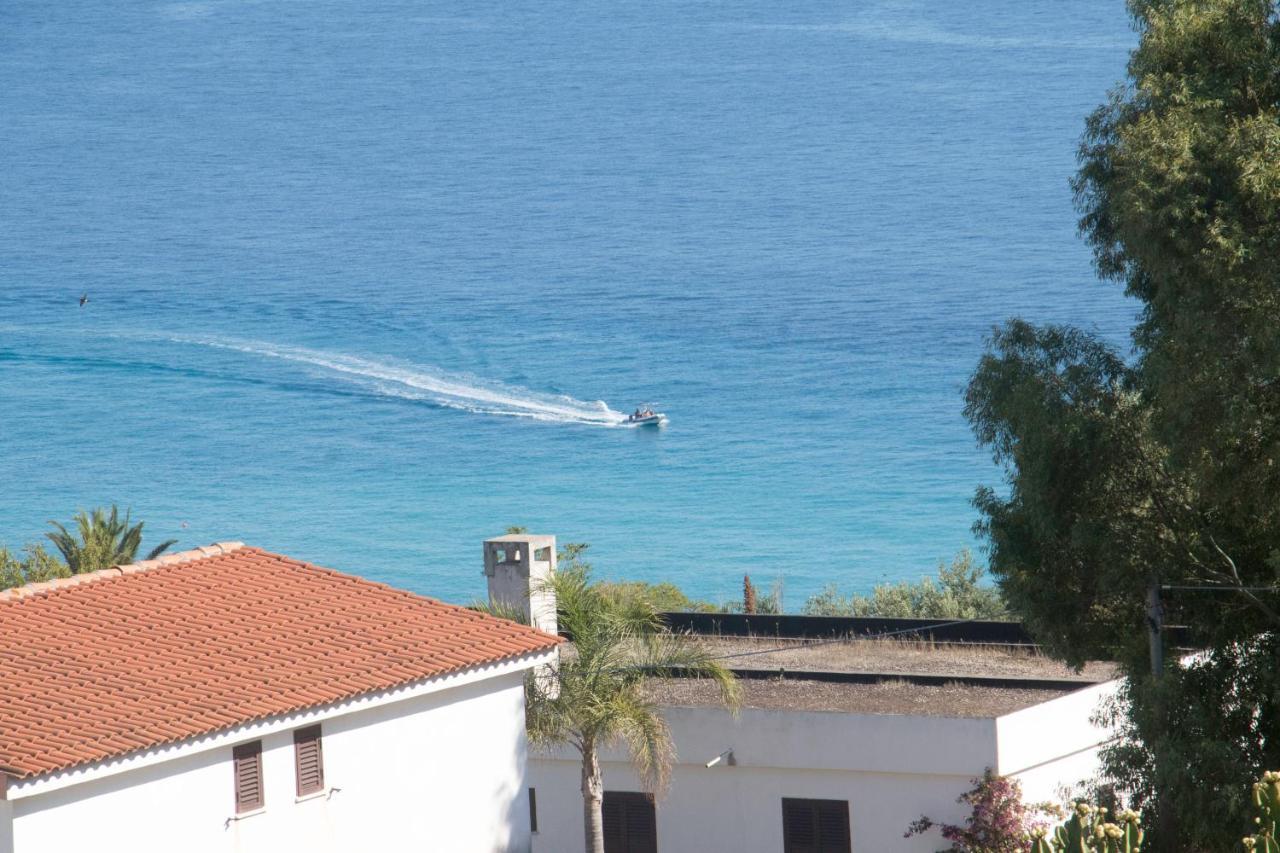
[(999, 822)]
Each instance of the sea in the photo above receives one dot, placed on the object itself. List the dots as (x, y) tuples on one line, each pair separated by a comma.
[(369, 281)]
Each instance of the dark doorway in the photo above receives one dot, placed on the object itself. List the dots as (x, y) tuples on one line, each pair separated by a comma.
[(630, 823)]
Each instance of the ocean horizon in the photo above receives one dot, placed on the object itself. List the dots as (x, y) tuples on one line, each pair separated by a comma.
[(369, 282)]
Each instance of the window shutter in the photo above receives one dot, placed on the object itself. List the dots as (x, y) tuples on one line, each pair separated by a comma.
[(833, 826), (630, 823), (815, 826), (798, 830), (248, 769), (308, 759)]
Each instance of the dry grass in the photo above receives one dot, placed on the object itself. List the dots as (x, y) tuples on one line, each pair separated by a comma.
[(890, 697), (890, 656)]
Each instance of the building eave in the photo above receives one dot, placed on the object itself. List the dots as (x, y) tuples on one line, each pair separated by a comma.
[(35, 785)]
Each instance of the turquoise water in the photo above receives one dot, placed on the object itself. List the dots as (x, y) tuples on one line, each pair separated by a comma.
[(370, 281)]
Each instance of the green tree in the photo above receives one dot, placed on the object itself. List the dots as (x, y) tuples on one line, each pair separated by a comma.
[(595, 695), (1162, 469), (102, 539), (957, 593), (34, 565)]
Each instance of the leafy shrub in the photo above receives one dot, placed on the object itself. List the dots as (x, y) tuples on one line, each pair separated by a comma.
[(957, 593), (35, 565)]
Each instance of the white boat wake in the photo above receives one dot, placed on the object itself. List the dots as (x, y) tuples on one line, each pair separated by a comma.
[(418, 382)]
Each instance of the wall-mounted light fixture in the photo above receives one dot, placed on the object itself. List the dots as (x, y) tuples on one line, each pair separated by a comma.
[(726, 758)]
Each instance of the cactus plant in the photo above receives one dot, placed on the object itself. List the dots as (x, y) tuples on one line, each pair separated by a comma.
[(1087, 830), (1266, 799)]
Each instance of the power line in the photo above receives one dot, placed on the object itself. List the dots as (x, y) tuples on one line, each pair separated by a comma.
[(1223, 588)]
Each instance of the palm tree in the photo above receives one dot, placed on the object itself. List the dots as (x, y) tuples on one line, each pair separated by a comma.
[(595, 694), (105, 540)]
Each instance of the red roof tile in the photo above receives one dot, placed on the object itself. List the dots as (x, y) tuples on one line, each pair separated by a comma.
[(140, 656)]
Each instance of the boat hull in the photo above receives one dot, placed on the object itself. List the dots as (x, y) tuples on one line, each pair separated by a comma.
[(650, 421)]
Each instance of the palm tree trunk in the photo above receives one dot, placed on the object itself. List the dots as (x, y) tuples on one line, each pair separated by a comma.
[(592, 798)]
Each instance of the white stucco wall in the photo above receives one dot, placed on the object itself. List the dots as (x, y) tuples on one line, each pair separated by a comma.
[(6, 825), (436, 771), (1053, 746), (891, 770)]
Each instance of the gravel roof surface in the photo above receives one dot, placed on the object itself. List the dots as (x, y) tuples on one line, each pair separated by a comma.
[(895, 656), (893, 697)]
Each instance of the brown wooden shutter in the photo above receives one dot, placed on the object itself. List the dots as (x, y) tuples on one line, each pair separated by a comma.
[(308, 759), (247, 758), (630, 822), (815, 826)]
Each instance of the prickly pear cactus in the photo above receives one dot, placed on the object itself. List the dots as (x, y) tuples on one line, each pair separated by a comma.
[(1089, 831), (1266, 799), (1040, 844), (1123, 836), (1073, 836)]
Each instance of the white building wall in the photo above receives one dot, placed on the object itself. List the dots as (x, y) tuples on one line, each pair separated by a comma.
[(890, 769), (442, 771), (1053, 746), (6, 824)]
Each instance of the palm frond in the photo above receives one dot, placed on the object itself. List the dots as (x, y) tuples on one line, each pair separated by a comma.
[(648, 739), (595, 693), (66, 545), (500, 609), (669, 654), (102, 539), (161, 548)]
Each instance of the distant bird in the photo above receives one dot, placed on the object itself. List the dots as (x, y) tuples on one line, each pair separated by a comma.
[(84, 297)]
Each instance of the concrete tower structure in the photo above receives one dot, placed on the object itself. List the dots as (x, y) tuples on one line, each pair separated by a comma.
[(518, 567)]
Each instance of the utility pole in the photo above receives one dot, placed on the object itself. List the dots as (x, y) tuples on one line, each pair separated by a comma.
[(1155, 638), (1155, 628)]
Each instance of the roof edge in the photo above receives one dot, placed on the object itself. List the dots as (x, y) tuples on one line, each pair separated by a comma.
[(354, 702), (31, 589)]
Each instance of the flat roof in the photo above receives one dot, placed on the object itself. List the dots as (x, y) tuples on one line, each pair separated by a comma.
[(882, 676), (889, 697), (898, 656)]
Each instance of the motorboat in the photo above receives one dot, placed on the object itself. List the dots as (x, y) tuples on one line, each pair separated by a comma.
[(645, 416)]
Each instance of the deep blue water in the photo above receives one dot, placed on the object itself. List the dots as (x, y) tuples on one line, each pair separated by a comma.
[(332, 246)]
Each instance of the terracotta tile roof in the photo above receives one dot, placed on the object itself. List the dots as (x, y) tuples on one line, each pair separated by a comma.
[(139, 656)]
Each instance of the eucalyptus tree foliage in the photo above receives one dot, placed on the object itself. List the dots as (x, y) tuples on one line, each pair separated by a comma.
[(101, 539), (1074, 536), (1180, 193), (1162, 467)]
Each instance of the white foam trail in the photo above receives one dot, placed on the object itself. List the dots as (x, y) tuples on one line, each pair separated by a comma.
[(418, 382)]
